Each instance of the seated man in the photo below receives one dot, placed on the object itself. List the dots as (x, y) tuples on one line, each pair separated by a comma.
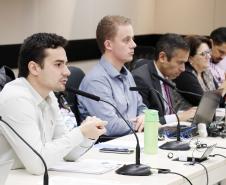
[(111, 80), (217, 65), (171, 54), (29, 105)]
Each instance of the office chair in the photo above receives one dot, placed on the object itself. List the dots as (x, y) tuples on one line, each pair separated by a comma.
[(140, 62), (74, 81), (141, 54), (6, 75)]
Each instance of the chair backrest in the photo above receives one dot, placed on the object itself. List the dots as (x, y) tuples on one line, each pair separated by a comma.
[(74, 81), (141, 52), (6, 75), (140, 62)]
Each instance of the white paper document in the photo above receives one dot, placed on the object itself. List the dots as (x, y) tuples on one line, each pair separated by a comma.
[(90, 166), (130, 142)]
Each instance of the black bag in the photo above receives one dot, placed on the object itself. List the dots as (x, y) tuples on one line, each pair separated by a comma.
[(6, 75)]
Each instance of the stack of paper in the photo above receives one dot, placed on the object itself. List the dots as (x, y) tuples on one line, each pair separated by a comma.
[(91, 166)]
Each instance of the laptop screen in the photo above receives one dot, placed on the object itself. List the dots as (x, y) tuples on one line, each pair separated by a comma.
[(207, 107)]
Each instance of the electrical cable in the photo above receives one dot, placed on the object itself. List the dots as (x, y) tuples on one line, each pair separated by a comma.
[(220, 147), (181, 176), (207, 175), (166, 171), (214, 155)]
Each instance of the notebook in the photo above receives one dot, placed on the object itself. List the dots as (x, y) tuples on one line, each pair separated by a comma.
[(5, 167)]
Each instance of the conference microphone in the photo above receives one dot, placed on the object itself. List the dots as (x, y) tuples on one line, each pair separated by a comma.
[(165, 81), (173, 85), (171, 145), (83, 93), (46, 176), (136, 169)]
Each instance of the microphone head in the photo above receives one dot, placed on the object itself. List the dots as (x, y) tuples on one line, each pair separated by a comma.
[(69, 89), (133, 88), (138, 88), (82, 93)]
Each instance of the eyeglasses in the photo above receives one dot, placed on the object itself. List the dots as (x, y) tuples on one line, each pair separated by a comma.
[(205, 53)]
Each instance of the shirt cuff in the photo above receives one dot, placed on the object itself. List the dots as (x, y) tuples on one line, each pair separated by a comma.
[(170, 118), (76, 135)]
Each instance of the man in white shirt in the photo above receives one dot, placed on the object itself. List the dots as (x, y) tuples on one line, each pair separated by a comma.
[(29, 105)]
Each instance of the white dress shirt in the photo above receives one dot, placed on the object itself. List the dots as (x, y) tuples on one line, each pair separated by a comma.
[(217, 72), (41, 124), (168, 117), (222, 64)]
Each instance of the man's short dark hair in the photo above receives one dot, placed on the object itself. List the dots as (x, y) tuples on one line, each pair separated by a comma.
[(168, 43), (218, 35), (33, 49)]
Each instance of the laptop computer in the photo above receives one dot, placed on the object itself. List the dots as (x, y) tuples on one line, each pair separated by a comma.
[(207, 107), (5, 167), (204, 114)]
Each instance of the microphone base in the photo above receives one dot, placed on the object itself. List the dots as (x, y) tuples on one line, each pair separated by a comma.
[(175, 145), (134, 170)]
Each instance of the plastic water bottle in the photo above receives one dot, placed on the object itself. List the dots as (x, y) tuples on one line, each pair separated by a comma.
[(151, 122), (202, 130)]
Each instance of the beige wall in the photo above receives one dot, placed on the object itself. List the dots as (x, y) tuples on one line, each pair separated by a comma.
[(189, 16), (77, 19), (220, 13), (74, 19)]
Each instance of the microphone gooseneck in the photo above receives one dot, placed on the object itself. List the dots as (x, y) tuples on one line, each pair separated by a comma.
[(46, 176), (167, 82), (188, 92), (83, 93), (136, 169), (137, 140), (173, 85), (172, 145)]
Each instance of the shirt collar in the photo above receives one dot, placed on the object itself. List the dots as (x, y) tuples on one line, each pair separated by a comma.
[(111, 70), (159, 73), (40, 101)]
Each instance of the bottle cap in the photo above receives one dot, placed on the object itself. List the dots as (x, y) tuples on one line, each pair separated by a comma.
[(151, 115)]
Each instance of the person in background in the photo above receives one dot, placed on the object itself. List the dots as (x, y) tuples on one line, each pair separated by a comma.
[(171, 54), (197, 77), (29, 105), (217, 64), (111, 81)]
